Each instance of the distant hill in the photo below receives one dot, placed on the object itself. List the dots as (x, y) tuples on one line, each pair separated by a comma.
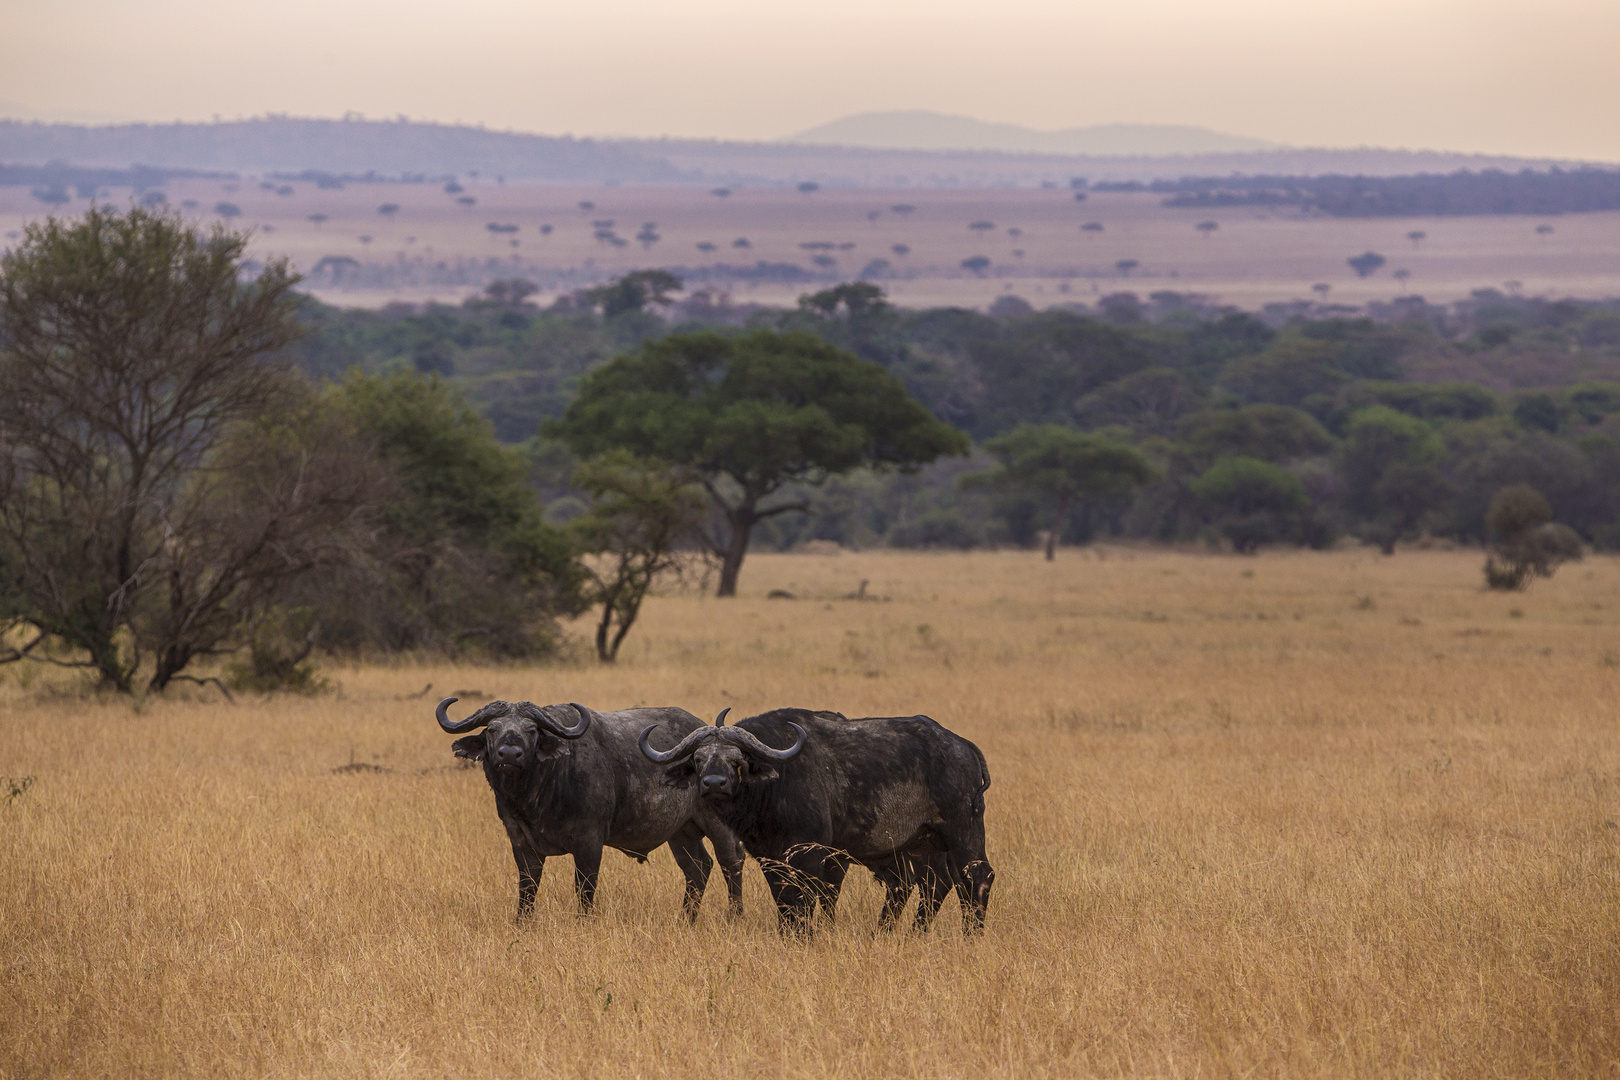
[(408, 149), (743, 163), (353, 147), (920, 129)]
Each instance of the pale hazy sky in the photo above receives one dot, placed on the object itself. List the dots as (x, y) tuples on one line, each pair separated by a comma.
[(1534, 77)]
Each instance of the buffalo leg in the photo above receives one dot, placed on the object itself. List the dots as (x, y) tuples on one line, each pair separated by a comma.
[(819, 875), (529, 862), (529, 867), (933, 885), (694, 861), (828, 883), (793, 906), (970, 871), (728, 852), (587, 865), (896, 891)]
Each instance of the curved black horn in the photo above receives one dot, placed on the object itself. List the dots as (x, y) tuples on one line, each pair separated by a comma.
[(720, 721), (474, 720), (754, 746), (529, 711), (675, 753)]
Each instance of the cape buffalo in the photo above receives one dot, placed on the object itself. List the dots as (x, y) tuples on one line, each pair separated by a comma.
[(899, 795), (569, 781)]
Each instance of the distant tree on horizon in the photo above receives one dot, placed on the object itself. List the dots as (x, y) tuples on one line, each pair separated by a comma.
[(1366, 264)]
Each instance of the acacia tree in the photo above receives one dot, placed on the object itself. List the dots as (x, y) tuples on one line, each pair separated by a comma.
[(634, 292), (642, 513), (1064, 466), (749, 414), (158, 472)]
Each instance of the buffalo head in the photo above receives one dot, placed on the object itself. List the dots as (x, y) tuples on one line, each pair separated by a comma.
[(721, 758), (515, 735)]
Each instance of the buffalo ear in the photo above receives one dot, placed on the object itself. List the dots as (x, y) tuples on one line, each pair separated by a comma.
[(469, 746), (550, 748), (762, 770), (681, 774)]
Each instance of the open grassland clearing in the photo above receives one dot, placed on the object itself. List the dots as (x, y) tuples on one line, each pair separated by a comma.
[(1033, 238), (1301, 814)]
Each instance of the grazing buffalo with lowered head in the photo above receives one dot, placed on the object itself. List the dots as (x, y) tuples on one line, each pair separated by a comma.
[(570, 781), (809, 793)]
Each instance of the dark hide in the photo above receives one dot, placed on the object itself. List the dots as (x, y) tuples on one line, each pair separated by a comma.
[(560, 796), (900, 795)]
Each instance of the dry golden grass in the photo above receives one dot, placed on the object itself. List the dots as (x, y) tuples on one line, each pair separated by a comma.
[(1307, 814)]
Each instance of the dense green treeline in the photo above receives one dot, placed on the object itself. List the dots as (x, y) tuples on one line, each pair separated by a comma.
[(1489, 191), (1297, 425), (453, 480)]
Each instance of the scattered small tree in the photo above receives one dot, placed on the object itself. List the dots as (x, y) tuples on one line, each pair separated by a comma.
[(1062, 466), (1366, 263), (1525, 541), (1125, 266), (635, 291), (510, 292), (643, 523)]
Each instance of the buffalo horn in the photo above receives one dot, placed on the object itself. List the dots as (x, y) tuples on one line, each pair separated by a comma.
[(680, 749), (474, 720), (720, 721), (754, 746), (529, 711)]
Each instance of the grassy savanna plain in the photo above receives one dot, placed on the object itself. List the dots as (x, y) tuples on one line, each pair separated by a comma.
[(1256, 255), (1296, 815)]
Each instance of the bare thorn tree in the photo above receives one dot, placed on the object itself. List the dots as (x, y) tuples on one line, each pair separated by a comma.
[(644, 523), (158, 470)]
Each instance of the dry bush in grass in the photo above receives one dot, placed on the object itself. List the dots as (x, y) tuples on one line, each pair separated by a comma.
[(1526, 542), (1242, 825)]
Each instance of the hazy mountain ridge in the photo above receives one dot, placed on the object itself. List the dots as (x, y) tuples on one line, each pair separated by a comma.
[(337, 146), (922, 129), (409, 148), (787, 163)]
